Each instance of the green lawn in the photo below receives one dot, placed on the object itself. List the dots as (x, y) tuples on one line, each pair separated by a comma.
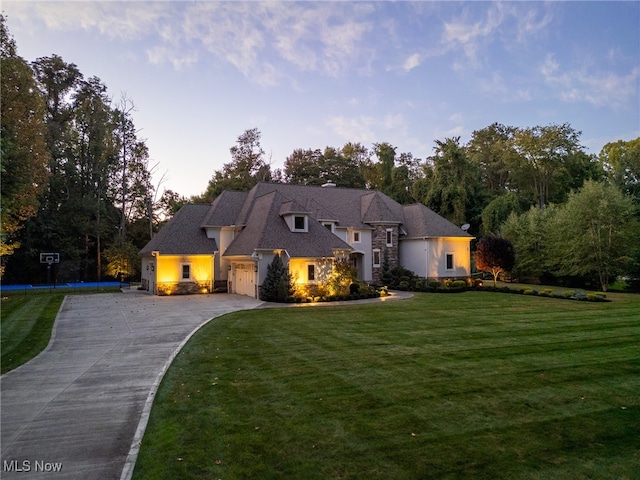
[(472, 385), (25, 328)]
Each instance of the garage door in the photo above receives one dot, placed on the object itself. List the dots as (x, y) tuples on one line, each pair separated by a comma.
[(245, 280)]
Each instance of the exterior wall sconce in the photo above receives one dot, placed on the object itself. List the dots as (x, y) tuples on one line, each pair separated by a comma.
[(229, 267), (255, 269)]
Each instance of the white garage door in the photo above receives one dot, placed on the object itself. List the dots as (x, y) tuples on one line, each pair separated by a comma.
[(245, 280)]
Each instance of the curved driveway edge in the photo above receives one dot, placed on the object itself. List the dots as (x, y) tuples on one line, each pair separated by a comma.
[(75, 410)]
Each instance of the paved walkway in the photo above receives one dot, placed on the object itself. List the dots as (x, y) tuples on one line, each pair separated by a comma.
[(76, 407)]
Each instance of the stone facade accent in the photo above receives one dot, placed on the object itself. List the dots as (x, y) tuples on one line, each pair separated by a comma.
[(182, 288), (379, 242)]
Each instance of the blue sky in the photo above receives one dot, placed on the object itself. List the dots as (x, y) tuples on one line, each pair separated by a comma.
[(313, 74)]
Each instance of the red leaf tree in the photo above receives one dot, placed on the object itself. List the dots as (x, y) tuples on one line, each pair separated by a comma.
[(495, 255)]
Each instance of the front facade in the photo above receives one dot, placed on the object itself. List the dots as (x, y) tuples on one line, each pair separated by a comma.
[(229, 244)]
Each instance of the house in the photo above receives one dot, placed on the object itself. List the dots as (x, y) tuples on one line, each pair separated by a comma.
[(229, 244)]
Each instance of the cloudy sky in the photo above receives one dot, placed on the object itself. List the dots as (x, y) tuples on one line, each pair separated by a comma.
[(312, 74)]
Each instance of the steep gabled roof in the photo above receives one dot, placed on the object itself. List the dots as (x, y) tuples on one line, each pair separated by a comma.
[(290, 207), (422, 222), (376, 210), (182, 235), (266, 229), (225, 209)]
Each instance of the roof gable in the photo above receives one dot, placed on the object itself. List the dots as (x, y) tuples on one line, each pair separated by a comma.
[(225, 209), (376, 210), (267, 230), (182, 235), (421, 222)]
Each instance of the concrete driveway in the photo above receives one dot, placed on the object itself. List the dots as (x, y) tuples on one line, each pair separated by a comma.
[(75, 410)]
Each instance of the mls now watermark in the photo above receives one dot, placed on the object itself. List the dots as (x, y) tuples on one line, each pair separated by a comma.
[(26, 466)]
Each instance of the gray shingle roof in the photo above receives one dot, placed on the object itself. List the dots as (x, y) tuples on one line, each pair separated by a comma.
[(420, 222), (376, 210), (225, 209), (182, 235), (341, 204), (267, 229), (261, 211)]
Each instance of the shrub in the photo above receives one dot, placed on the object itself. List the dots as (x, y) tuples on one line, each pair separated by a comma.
[(579, 295), (596, 297), (434, 285)]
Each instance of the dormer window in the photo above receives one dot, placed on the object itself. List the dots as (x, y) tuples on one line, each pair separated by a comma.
[(328, 226), (299, 223)]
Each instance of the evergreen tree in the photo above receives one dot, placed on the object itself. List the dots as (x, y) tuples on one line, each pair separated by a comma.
[(277, 284)]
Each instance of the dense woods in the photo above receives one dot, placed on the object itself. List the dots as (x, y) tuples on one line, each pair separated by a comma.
[(76, 179)]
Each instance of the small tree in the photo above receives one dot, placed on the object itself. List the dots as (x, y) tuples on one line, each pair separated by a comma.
[(277, 283), (342, 276), (495, 255)]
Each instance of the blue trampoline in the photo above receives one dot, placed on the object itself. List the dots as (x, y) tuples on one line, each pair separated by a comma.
[(74, 285)]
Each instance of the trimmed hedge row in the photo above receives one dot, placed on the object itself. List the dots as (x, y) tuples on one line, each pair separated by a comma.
[(458, 286), (336, 298), (548, 292)]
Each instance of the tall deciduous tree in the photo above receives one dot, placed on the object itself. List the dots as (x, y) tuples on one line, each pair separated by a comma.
[(24, 151), (495, 255), (302, 167), (547, 154), (531, 235), (246, 169), (315, 167), (596, 233), (454, 188), (498, 210), (492, 149), (621, 161)]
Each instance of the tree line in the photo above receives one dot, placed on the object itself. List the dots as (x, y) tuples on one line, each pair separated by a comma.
[(505, 181), (76, 178)]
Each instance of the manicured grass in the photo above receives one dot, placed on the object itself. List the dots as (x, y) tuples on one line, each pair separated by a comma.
[(472, 385), (26, 326)]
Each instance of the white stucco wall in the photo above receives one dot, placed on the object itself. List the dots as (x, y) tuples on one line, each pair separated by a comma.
[(427, 257)]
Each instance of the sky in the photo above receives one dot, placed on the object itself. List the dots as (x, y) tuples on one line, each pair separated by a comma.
[(317, 74)]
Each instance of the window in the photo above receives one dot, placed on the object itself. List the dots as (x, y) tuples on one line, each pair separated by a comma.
[(328, 226), (356, 237), (389, 237), (299, 223), (449, 261), (311, 272), (376, 258), (186, 272)]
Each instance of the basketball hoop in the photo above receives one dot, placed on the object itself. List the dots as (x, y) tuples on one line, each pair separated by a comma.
[(50, 258)]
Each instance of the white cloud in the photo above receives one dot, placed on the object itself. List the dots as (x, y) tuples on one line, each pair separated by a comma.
[(367, 128), (177, 58), (504, 23), (412, 62), (111, 19), (549, 67), (599, 88), (358, 129)]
